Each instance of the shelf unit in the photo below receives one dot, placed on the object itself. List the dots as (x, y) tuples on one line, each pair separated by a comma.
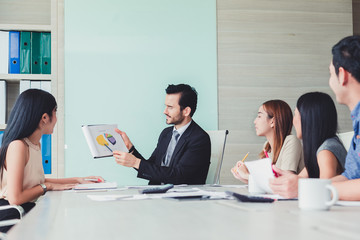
[(40, 16), (26, 27), (18, 77)]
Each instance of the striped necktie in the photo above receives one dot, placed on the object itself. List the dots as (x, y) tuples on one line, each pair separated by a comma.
[(170, 149)]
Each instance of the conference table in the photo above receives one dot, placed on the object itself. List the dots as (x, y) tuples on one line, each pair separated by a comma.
[(72, 215)]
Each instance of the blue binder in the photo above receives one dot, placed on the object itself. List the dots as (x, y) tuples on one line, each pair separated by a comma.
[(1, 136), (14, 52), (46, 153)]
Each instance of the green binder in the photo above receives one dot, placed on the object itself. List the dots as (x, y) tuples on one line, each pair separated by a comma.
[(25, 52), (45, 53), (35, 53)]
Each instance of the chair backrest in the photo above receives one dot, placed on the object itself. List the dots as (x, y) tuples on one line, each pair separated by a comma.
[(10, 222), (218, 140), (346, 138)]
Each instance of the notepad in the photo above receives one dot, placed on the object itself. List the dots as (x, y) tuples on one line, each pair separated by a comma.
[(92, 186), (103, 140), (261, 172)]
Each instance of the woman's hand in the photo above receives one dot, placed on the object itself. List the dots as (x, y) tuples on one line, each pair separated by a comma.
[(59, 187), (240, 172)]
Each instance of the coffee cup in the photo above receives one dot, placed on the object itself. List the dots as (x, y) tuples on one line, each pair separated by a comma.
[(316, 194)]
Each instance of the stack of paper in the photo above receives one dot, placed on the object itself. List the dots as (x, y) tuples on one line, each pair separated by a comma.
[(191, 193)]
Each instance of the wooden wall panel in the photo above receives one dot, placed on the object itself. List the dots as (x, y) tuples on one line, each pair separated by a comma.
[(275, 49), (25, 12)]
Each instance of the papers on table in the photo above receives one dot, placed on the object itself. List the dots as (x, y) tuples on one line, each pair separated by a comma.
[(108, 197), (228, 186), (261, 172), (348, 203), (175, 194), (96, 186)]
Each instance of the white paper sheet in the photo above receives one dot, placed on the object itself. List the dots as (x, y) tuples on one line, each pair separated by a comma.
[(348, 203), (195, 193), (261, 173)]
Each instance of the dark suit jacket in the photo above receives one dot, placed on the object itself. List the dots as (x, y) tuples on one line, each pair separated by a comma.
[(189, 163)]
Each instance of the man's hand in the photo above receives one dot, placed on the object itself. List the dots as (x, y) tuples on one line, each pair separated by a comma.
[(286, 185), (126, 139), (126, 159)]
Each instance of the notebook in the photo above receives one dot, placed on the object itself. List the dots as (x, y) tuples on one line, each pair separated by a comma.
[(103, 140)]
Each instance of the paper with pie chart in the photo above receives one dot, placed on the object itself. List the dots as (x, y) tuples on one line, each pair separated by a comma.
[(103, 140)]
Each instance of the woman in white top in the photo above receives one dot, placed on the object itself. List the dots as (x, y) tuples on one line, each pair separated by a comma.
[(21, 173), (274, 121)]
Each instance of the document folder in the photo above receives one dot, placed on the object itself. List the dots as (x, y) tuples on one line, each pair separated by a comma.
[(2, 101), (14, 52), (45, 53), (1, 137), (46, 153), (35, 53), (25, 52), (4, 52), (24, 85), (46, 86), (35, 84)]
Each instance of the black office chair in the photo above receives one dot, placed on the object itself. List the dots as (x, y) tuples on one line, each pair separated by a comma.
[(10, 222)]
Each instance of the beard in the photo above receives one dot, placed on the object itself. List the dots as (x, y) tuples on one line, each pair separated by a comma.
[(176, 120)]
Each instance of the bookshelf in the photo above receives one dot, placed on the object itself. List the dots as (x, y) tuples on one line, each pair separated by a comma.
[(39, 16)]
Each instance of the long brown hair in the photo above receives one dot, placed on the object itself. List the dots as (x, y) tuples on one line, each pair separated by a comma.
[(283, 118)]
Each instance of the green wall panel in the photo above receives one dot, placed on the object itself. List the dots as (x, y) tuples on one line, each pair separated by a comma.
[(119, 58)]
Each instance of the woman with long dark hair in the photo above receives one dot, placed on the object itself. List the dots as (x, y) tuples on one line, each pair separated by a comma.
[(274, 121), (21, 173), (315, 122)]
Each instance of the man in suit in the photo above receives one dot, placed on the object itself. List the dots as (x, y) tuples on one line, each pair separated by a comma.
[(182, 155)]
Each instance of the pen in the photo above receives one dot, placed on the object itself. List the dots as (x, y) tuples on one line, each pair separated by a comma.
[(93, 179), (275, 173), (266, 154), (245, 157)]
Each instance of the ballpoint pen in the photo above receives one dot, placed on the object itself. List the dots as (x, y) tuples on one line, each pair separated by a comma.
[(93, 179), (266, 154)]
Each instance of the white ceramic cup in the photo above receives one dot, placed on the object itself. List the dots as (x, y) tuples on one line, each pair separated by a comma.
[(315, 194)]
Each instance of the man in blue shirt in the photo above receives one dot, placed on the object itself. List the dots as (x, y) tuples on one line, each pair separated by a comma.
[(345, 83)]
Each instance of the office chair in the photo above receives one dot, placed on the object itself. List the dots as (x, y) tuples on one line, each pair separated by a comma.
[(346, 138), (218, 141), (10, 222)]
